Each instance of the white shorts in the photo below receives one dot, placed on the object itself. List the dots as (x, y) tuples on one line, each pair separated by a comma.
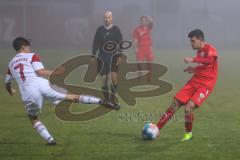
[(33, 96)]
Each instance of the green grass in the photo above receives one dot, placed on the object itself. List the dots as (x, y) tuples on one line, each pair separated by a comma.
[(216, 128)]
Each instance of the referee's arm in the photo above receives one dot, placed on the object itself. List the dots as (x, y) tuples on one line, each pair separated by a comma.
[(119, 39), (96, 44)]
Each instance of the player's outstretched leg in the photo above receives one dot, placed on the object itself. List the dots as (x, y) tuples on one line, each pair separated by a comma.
[(189, 107), (91, 100), (168, 114), (42, 130)]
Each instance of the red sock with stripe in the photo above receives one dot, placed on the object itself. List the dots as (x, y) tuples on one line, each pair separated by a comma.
[(189, 122), (165, 117)]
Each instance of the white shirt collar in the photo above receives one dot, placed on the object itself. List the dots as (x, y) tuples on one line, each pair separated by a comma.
[(108, 27)]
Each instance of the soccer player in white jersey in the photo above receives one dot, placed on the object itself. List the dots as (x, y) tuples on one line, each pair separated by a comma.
[(27, 69)]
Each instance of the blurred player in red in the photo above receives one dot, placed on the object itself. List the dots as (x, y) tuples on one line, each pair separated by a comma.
[(143, 43), (199, 87)]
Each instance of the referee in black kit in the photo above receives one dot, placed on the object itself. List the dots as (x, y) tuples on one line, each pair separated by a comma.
[(107, 33)]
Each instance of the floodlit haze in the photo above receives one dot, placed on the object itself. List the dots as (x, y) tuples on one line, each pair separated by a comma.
[(72, 23)]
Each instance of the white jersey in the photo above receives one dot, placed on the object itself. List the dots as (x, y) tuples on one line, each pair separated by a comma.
[(33, 88), (22, 67)]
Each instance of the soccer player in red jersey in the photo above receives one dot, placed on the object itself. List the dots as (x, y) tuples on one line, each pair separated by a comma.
[(199, 87), (143, 43)]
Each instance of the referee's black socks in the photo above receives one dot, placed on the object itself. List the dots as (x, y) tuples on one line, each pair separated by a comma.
[(105, 90), (113, 91)]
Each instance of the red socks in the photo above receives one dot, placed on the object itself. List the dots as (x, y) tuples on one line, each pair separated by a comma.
[(188, 122), (168, 115), (165, 117)]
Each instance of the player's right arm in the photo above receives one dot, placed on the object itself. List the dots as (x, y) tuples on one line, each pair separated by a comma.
[(40, 70), (8, 86), (190, 69), (135, 40), (46, 73), (150, 22), (43, 72), (96, 45)]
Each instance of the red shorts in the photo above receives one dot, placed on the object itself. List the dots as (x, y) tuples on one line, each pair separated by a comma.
[(145, 54), (193, 91)]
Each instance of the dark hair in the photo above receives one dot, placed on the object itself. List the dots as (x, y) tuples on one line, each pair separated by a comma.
[(19, 42), (143, 17), (196, 33)]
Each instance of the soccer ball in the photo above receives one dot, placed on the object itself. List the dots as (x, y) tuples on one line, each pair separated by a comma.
[(150, 131)]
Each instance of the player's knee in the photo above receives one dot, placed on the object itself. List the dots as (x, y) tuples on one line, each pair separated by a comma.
[(114, 77), (72, 97), (33, 119), (114, 81), (175, 105), (189, 107)]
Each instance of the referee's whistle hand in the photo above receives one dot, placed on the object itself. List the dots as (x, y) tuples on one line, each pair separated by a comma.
[(119, 61), (92, 59)]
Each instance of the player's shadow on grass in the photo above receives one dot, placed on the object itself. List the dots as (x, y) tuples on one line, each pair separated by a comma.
[(7, 142), (157, 145), (112, 134)]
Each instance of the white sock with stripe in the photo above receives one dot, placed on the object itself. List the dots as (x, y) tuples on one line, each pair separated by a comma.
[(42, 131), (89, 99)]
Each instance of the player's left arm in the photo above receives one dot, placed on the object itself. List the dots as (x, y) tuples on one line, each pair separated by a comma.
[(41, 71), (150, 22), (46, 73), (118, 40), (209, 59), (8, 86), (135, 38), (206, 60)]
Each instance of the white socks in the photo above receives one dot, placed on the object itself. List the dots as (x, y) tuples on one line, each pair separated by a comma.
[(89, 99), (42, 131)]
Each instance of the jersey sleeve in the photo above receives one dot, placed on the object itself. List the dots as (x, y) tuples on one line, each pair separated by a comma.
[(36, 62), (150, 24), (135, 33), (9, 72), (8, 77), (96, 42), (118, 39), (207, 60), (211, 56), (212, 52)]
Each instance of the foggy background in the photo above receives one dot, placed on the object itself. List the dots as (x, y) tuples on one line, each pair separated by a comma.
[(72, 23)]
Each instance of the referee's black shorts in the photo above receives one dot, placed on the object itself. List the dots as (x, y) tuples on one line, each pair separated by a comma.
[(107, 64)]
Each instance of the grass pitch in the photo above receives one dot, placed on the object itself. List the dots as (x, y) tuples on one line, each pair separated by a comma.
[(117, 135)]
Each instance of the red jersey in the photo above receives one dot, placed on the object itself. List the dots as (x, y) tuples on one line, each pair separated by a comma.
[(207, 70), (143, 36)]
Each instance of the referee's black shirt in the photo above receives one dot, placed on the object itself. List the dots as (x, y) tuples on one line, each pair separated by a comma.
[(104, 35)]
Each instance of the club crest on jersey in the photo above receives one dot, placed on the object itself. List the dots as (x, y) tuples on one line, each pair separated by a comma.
[(202, 54), (202, 95)]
